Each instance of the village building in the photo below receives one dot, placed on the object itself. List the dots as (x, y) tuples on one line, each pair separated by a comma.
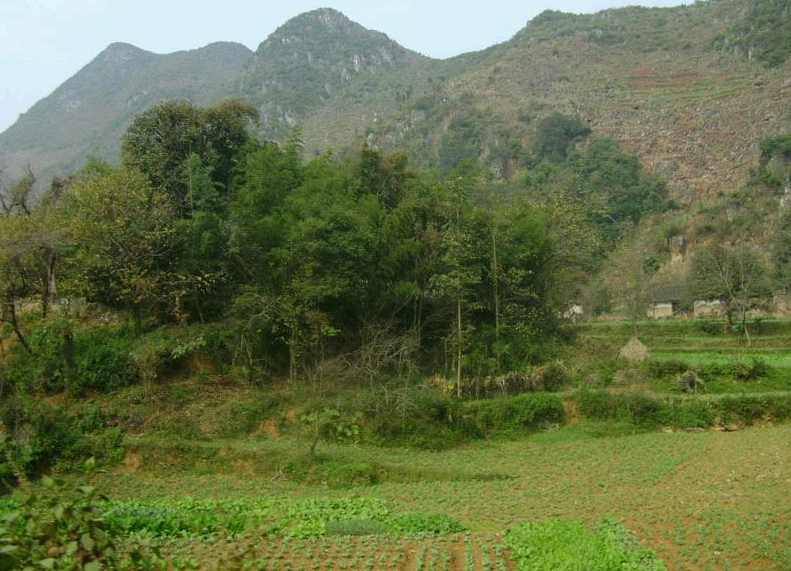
[(667, 301)]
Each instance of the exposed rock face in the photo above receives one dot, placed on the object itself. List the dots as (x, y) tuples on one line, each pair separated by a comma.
[(678, 248)]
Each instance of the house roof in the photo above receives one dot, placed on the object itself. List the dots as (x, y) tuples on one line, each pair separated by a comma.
[(670, 293)]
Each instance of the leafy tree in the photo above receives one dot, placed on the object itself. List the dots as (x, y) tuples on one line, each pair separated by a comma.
[(124, 236), (459, 267), (629, 279), (160, 141), (554, 135)]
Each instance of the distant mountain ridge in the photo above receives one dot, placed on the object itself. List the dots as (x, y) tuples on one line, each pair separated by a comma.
[(682, 87)]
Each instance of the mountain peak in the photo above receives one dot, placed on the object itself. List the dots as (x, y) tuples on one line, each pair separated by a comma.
[(120, 52), (324, 15)]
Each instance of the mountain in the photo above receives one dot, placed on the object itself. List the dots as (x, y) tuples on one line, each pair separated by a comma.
[(314, 58), (691, 89), (88, 113)]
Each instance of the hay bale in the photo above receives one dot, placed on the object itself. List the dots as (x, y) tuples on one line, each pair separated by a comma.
[(635, 352)]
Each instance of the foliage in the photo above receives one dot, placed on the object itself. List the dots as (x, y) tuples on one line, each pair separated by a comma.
[(40, 435), (775, 165), (163, 139), (555, 133), (123, 228), (569, 545), (763, 33), (77, 359), (650, 411), (63, 526), (736, 275), (424, 523), (518, 413)]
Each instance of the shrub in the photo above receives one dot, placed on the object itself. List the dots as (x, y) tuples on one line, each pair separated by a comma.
[(601, 405), (40, 436), (160, 352), (63, 527), (102, 363), (77, 360), (518, 413), (710, 328), (752, 371)]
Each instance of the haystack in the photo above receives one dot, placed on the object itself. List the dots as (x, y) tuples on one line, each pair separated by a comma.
[(635, 352)]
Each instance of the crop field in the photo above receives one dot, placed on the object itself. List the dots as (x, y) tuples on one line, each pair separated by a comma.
[(711, 500), (715, 499)]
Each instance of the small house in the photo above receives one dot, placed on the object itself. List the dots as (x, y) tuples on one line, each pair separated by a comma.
[(667, 301)]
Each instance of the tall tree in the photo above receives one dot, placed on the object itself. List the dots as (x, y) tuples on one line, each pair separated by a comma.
[(160, 141)]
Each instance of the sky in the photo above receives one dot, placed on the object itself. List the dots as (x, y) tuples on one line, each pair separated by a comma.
[(44, 42)]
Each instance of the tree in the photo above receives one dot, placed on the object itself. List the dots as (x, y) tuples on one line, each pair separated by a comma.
[(629, 279), (734, 274), (124, 236), (29, 241), (459, 268), (160, 141), (554, 135)]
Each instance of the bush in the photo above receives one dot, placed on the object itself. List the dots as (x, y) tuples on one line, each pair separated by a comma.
[(754, 370), (40, 436), (160, 353), (678, 412), (76, 360), (710, 328), (63, 527), (519, 413), (102, 363)]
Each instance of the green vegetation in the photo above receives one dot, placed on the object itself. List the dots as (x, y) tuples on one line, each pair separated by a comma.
[(764, 33), (568, 545), (283, 358)]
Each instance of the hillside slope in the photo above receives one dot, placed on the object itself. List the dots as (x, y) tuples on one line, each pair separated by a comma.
[(692, 90)]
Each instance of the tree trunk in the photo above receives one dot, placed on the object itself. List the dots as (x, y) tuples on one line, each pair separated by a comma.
[(292, 356), (744, 326), (138, 318), (11, 309), (496, 290), (458, 353), (315, 440), (50, 292)]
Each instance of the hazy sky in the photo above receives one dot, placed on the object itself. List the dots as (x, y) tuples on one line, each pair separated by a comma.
[(44, 42)]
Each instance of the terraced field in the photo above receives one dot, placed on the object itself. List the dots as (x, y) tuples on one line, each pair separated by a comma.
[(711, 500)]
